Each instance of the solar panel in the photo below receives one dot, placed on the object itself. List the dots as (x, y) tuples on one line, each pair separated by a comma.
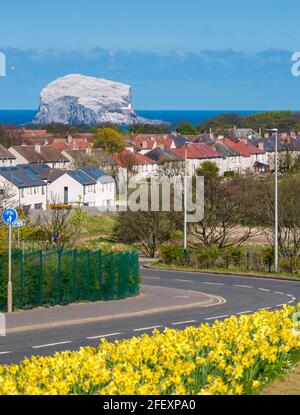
[(17, 180), (30, 168), (96, 172), (30, 176), (82, 176)]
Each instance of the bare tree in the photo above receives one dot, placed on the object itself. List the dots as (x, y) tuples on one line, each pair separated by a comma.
[(229, 212), (60, 228)]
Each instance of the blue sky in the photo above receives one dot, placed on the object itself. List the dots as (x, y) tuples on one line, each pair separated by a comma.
[(192, 54)]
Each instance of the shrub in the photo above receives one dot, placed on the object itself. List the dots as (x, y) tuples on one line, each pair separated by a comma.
[(172, 254), (208, 256)]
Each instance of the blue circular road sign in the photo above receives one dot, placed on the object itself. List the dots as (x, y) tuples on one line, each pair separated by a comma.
[(10, 216)]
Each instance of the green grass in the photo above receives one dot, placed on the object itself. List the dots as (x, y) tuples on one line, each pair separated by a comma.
[(98, 225), (159, 264), (287, 383)]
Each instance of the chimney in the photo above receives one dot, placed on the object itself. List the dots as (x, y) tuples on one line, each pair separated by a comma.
[(88, 151), (266, 135), (37, 148), (261, 146)]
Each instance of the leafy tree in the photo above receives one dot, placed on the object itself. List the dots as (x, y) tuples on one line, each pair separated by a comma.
[(109, 140), (208, 168), (148, 129), (185, 128)]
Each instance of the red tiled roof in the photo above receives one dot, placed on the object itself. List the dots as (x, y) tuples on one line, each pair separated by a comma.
[(245, 149), (196, 151), (140, 159)]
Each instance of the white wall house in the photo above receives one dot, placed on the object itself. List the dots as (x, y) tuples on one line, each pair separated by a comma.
[(76, 186), (40, 154), (7, 159), (25, 190)]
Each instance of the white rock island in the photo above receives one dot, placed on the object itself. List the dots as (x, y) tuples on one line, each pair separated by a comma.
[(78, 99)]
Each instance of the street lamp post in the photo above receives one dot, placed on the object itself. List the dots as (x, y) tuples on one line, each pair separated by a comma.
[(185, 196), (275, 130)]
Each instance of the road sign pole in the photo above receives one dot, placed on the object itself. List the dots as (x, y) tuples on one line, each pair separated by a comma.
[(9, 285)]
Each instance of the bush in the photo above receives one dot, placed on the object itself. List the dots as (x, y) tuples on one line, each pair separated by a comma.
[(268, 255), (229, 174), (172, 254), (235, 256), (208, 256)]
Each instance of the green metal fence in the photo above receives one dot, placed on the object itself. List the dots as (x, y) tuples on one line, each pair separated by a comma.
[(64, 277)]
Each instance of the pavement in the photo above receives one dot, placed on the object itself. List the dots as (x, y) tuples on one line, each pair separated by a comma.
[(152, 299), (174, 299)]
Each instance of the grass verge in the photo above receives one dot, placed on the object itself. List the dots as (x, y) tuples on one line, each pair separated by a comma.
[(282, 275)]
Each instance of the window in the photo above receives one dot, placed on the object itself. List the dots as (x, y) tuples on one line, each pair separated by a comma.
[(22, 192), (43, 190)]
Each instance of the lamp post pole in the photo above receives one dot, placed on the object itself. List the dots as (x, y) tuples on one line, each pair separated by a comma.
[(276, 201), (275, 130), (185, 198)]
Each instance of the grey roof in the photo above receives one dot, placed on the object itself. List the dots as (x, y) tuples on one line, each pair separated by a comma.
[(21, 178), (41, 170), (269, 144), (159, 154), (94, 172), (225, 151), (106, 179), (81, 177), (179, 140)]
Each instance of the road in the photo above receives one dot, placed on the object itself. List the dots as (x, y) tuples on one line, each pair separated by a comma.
[(242, 295)]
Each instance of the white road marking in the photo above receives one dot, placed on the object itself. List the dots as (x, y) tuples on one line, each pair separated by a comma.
[(244, 312), (280, 305), (278, 292), (265, 308), (103, 336), (51, 345), (147, 328), (184, 280), (217, 317), (290, 295), (243, 286), (2, 353), (152, 278), (290, 302), (213, 283), (264, 289), (183, 322)]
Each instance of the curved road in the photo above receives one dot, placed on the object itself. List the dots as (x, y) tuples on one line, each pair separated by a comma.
[(242, 295)]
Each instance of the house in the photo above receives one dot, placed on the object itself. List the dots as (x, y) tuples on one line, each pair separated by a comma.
[(7, 159), (26, 188), (142, 165), (250, 154), (232, 159), (81, 157), (40, 154), (88, 186), (147, 142), (197, 153)]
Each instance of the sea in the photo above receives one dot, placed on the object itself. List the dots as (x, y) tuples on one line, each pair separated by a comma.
[(174, 117)]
